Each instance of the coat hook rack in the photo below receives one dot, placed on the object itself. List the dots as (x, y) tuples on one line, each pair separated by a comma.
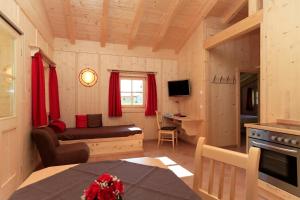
[(223, 79)]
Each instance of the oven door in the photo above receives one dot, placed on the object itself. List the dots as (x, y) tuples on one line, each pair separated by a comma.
[(279, 165)]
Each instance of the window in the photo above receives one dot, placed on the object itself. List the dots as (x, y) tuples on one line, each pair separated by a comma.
[(7, 74), (132, 91)]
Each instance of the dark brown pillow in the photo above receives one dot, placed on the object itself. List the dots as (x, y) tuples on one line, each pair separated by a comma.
[(94, 121)]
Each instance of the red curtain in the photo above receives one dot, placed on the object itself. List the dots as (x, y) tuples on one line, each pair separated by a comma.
[(39, 116), (151, 104), (114, 98), (53, 94)]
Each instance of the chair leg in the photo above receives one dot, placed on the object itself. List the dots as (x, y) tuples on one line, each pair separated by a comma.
[(173, 140), (158, 140), (176, 138)]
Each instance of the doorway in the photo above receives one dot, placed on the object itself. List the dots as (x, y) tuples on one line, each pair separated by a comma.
[(247, 102)]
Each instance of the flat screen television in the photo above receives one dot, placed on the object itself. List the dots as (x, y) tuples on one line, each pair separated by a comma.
[(179, 88)]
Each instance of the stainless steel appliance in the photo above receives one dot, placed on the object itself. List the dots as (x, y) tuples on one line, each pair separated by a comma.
[(279, 160)]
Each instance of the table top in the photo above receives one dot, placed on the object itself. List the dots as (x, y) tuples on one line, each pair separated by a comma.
[(141, 182), (50, 171)]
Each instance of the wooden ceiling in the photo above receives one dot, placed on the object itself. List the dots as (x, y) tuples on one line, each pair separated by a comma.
[(160, 24)]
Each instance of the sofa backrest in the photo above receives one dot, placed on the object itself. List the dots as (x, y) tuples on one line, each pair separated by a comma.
[(46, 142)]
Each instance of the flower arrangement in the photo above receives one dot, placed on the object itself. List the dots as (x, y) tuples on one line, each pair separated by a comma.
[(105, 187)]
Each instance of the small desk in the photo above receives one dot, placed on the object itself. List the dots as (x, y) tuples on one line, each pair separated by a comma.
[(191, 126)]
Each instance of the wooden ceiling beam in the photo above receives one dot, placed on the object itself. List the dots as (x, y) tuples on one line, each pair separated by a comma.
[(240, 28), (103, 23), (166, 22), (139, 11), (202, 14), (69, 21), (234, 10)]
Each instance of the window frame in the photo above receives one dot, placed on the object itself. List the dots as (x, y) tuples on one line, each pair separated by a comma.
[(131, 78), (13, 76)]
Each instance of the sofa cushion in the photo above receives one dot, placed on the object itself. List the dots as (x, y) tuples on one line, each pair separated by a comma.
[(94, 121), (81, 121), (72, 153), (58, 126)]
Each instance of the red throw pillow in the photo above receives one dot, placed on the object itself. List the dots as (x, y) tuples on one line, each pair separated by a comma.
[(81, 121), (58, 126)]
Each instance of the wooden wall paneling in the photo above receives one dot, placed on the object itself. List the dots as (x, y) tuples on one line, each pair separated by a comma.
[(238, 29), (36, 13), (11, 10), (88, 98), (126, 61), (169, 73), (67, 80), (40, 42), (254, 6), (222, 61), (280, 60)]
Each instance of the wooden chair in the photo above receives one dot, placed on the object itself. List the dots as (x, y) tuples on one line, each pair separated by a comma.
[(165, 133), (249, 162)]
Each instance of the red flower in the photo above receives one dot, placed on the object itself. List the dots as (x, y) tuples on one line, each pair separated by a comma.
[(92, 191), (105, 178), (106, 187), (119, 186)]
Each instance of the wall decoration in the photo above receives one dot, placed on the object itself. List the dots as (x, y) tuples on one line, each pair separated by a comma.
[(88, 77)]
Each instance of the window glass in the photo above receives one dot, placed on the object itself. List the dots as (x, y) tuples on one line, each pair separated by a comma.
[(132, 91), (7, 74)]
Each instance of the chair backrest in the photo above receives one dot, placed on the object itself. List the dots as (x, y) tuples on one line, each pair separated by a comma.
[(46, 142), (249, 162), (159, 119)]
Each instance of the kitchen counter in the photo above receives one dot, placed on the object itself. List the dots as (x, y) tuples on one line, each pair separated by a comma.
[(276, 127)]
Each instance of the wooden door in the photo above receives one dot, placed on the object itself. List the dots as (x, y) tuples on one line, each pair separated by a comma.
[(9, 139)]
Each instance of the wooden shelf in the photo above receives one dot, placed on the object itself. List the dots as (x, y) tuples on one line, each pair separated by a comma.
[(238, 29)]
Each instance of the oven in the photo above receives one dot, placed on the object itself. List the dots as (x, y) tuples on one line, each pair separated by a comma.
[(279, 160)]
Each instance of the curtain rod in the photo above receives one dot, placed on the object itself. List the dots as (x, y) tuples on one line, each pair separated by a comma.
[(35, 49), (129, 71)]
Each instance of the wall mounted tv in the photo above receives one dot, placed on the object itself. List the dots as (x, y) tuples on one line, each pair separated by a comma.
[(179, 88)]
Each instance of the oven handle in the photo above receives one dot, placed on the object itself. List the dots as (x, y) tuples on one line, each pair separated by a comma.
[(274, 147)]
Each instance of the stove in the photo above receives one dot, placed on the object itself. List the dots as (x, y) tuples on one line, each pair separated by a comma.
[(280, 156)]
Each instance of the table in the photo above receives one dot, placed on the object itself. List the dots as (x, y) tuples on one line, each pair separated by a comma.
[(50, 171), (141, 182), (191, 126)]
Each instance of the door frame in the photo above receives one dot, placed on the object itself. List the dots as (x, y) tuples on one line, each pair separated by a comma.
[(238, 72)]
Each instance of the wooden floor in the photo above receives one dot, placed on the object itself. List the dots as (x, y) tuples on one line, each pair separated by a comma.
[(183, 155)]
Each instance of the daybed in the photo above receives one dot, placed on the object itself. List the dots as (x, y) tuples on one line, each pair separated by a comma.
[(106, 139)]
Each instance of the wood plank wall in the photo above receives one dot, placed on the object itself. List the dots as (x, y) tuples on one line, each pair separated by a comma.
[(280, 71), (215, 103), (77, 99), (15, 133)]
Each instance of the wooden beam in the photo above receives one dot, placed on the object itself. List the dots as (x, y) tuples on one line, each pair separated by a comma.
[(166, 22), (69, 21), (234, 10), (254, 6), (202, 14), (103, 23), (139, 11), (240, 28)]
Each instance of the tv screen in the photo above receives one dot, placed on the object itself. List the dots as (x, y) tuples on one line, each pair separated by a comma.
[(179, 88)]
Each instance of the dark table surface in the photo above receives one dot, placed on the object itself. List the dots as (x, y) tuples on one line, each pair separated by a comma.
[(141, 182)]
